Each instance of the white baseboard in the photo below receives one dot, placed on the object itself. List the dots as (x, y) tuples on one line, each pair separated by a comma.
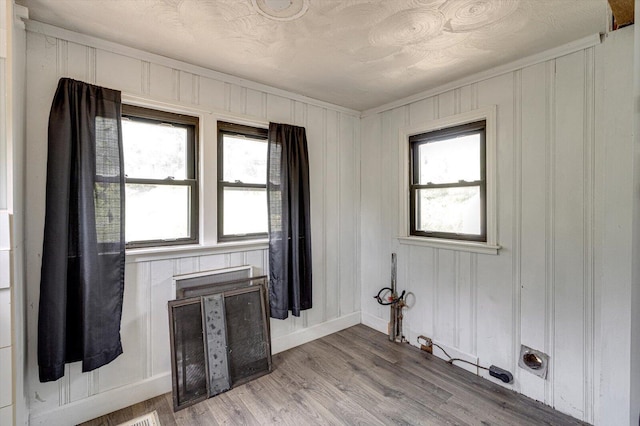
[(118, 398), (376, 323), (103, 403), (283, 343)]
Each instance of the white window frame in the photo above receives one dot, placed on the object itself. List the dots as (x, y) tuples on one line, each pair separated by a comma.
[(486, 113)]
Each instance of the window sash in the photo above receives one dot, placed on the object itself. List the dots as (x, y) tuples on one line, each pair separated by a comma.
[(231, 129), (415, 142), (191, 124)]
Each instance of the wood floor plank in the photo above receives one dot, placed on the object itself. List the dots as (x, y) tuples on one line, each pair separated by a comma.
[(356, 376)]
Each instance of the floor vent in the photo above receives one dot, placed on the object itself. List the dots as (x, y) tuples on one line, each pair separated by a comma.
[(150, 419)]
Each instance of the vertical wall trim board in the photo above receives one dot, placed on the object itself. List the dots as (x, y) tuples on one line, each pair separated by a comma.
[(457, 100), (91, 65), (62, 58), (195, 92), (145, 77), (456, 298), (473, 302), (517, 222), (227, 96), (264, 105), (175, 79), (589, 211), (550, 231), (145, 268), (434, 309), (340, 212), (324, 210)]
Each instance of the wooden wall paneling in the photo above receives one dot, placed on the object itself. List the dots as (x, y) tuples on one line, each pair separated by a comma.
[(118, 72), (40, 91), (5, 314), (186, 93), (162, 82), (495, 277), (316, 141), (188, 265), (370, 214), (279, 109), (614, 213), (446, 104), (465, 322), (77, 383), (212, 261), (255, 103), (238, 99), (569, 207), (394, 121), (211, 93), (236, 259), (162, 272), (77, 55), (255, 258), (347, 214), (130, 367), (590, 242), (332, 215), (422, 111), (445, 297), (420, 283), (6, 381), (533, 246)]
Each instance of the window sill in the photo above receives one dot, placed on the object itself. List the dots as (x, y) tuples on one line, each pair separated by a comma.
[(469, 246), (176, 252)]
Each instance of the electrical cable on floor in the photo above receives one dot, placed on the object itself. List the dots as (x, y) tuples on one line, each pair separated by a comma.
[(452, 360), (494, 371)]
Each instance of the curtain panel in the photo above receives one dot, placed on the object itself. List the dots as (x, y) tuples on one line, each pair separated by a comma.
[(82, 281), (289, 221)]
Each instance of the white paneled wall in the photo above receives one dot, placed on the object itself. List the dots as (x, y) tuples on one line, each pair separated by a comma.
[(564, 176), (143, 370)]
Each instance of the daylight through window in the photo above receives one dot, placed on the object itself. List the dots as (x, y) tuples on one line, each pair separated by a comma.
[(242, 182), (448, 183), (160, 162)]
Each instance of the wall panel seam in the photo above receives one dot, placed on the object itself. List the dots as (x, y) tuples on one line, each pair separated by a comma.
[(589, 274), (517, 223), (550, 231)]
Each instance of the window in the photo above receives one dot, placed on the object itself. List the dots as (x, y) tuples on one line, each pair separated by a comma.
[(448, 183), (161, 177), (242, 182)]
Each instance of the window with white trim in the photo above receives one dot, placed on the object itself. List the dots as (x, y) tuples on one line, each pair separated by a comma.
[(448, 181)]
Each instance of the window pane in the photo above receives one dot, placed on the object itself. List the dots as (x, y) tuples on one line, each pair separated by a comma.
[(245, 160), (450, 160), (245, 211), (154, 151), (157, 212), (454, 210)]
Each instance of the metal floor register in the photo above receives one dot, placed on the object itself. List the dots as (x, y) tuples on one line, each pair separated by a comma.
[(220, 338)]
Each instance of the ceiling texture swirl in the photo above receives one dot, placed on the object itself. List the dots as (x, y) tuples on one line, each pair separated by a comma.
[(358, 54)]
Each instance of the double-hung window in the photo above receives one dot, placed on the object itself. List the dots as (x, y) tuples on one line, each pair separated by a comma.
[(448, 184), (242, 182), (161, 177)]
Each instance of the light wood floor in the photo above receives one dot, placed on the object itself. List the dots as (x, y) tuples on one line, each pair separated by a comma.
[(352, 377)]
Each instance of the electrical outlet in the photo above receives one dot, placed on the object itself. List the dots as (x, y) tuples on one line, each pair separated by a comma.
[(426, 344)]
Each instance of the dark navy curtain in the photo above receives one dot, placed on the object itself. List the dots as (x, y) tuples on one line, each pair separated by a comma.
[(82, 280), (289, 221)]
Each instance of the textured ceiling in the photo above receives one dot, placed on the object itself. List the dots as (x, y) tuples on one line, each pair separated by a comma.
[(354, 53)]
